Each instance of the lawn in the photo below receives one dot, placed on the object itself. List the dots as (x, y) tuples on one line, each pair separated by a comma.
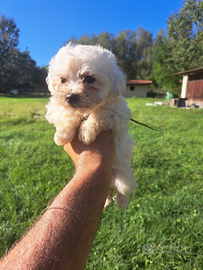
[(163, 226)]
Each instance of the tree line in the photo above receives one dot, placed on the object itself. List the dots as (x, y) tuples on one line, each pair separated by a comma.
[(140, 56), (17, 68)]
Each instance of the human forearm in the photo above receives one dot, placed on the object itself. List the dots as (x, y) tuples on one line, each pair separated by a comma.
[(63, 237), (52, 241)]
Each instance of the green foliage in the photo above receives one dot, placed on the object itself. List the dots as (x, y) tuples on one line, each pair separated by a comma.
[(162, 72), (182, 49), (185, 34), (162, 227), (9, 36), (16, 67), (39, 77)]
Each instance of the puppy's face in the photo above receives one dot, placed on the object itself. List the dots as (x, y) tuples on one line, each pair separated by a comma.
[(82, 77)]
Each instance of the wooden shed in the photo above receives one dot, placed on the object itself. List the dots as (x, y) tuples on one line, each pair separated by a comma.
[(192, 86), (136, 88)]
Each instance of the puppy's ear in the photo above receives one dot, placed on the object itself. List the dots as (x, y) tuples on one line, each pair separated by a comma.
[(52, 78), (118, 82), (49, 83)]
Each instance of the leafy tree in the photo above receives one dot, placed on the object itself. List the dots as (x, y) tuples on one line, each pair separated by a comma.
[(134, 50), (20, 69), (106, 40), (185, 34), (125, 49), (162, 72), (145, 49), (9, 34), (16, 67), (39, 78), (84, 40), (182, 48)]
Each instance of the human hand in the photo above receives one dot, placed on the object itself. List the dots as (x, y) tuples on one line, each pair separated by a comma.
[(100, 152)]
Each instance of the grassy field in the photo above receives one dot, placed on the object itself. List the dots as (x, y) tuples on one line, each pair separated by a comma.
[(163, 226)]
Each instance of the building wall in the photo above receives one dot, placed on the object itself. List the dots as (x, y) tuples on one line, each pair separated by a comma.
[(139, 91), (195, 92)]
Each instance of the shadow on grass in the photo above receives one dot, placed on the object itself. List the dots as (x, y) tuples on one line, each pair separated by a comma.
[(25, 96)]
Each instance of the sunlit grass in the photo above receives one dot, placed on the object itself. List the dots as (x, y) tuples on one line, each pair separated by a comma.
[(161, 229)]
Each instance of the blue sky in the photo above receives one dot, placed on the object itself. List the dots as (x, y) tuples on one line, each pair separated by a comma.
[(46, 25)]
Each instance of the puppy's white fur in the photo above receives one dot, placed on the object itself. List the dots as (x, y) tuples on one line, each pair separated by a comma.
[(99, 106)]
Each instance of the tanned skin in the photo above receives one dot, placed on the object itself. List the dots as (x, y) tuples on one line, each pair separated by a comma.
[(63, 237)]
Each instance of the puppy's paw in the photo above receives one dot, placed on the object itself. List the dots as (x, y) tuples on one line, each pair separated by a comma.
[(87, 134), (108, 201), (60, 140), (121, 200)]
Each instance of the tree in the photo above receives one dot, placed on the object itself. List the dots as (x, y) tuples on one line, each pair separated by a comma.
[(84, 40), (16, 67), (185, 34), (125, 49), (9, 34), (145, 49), (106, 40), (39, 78), (162, 71), (20, 68), (182, 48)]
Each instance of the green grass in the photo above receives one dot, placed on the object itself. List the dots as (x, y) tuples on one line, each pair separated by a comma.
[(161, 229)]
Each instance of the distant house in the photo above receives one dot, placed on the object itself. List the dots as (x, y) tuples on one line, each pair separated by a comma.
[(192, 86), (136, 88)]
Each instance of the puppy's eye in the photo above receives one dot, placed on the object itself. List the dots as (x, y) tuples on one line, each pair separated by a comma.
[(88, 79), (63, 80)]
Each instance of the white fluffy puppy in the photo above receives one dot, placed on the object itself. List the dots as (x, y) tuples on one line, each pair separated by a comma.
[(86, 87)]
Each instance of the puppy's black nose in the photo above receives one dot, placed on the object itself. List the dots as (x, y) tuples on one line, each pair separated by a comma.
[(72, 98)]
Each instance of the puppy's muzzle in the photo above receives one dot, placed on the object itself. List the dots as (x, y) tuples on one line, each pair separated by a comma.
[(72, 98)]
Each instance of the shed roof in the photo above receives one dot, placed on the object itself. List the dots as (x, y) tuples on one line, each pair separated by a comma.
[(134, 82), (192, 71)]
